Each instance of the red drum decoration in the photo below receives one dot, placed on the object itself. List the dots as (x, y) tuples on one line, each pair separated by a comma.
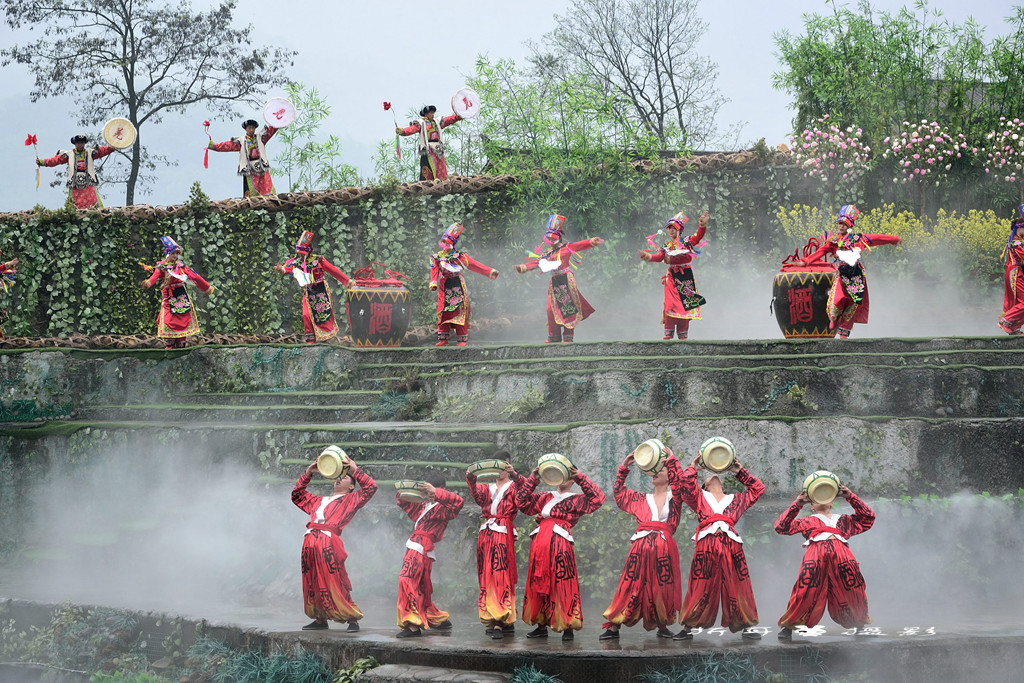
[(800, 294), (378, 311)]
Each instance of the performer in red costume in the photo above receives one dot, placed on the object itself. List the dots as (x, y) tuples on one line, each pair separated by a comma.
[(719, 567), (317, 305), (82, 179), (848, 298), (552, 594), (431, 147), (177, 319), (326, 588), (448, 280), (649, 588), (1013, 280), (416, 609), (829, 573), (682, 302), (7, 272), (252, 158), (566, 305), (496, 549)]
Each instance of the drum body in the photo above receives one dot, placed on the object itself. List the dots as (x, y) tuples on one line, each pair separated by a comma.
[(717, 454), (554, 469), (487, 470), (407, 490), (801, 297), (821, 486), (650, 456), (378, 312), (333, 463)]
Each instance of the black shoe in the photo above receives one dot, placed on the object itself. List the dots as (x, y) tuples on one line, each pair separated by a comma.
[(409, 633), (786, 634), (607, 635), (750, 634), (539, 632), (497, 634), (567, 636), (353, 627), (316, 625), (683, 635), (489, 630), (664, 633), (445, 625)]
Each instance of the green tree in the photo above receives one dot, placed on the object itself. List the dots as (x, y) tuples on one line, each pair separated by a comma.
[(311, 164), (140, 60)]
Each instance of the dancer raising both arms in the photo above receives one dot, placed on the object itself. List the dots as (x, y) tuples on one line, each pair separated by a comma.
[(326, 588), (416, 608), (682, 302), (496, 549), (82, 178), (252, 158), (552, 594), (317, 305), (177, 319), (649, 588), (719, 568), (447, 279), (431, 147), (566, 305), (829, 573)]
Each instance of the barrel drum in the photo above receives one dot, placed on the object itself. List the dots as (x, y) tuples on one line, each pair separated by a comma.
[(801, 301), (378, 312)]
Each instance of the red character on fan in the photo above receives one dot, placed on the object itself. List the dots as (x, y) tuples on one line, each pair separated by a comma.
[(1013, 280), (82, 179), (552, 594), (649, 587), (317, 305), (431, 147), (252, 158), (496, 549), (829, 573), (848, 299), (718, 572), (7, 272), (326, 588), (682, 301), (177, 319), (416, 609), (566, 305), (447, 278)]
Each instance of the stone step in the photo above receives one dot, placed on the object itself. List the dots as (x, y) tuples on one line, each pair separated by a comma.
[(353, 397), (409, 673), (242, 414)]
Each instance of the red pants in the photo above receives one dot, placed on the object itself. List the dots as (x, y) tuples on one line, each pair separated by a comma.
[(1014, 315), (556, 332), (649, 588), (679, 325), (415, 593), (445, 328), (552, 595), (496, 569), (326, 588), (719, 568), (829, 576)]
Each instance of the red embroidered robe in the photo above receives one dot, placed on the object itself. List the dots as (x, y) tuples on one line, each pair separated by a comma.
[(81, 185), (448, 273), (255, 173), (679, 279), (848, 299), (496, 551), (177, 318), (566, 305), (432, 163), (317, 304)]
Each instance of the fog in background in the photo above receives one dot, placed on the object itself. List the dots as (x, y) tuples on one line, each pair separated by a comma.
[(187, 532)]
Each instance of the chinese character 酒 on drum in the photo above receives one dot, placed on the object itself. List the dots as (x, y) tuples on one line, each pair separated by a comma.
[(380, 318), (800, 310)]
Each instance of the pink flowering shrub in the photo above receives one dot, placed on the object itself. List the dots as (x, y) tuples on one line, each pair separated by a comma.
[(829, 153), (1004, 152), (925, 152)]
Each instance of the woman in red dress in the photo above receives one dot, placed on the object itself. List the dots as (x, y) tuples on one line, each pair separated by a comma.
[(496, 549), (177, 319), (326, 588), (829, 573), (252, 158), (1013, 279), (566, 305), (848, 299), (552, 595), (682, 301), (719, 568), (447, 278), (317, 305), (649, 588)]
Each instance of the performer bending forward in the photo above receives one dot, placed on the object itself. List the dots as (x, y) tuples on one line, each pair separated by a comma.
[(552, 594), (447, 279), (82, 179), (566, 305), (496, 549), (177, 319), (649, 588), (252, 158), (317, 304), (848, 299), (416, 608), (829, 573), (719, 567), (1013, 280), (326, 588), (682, 302)]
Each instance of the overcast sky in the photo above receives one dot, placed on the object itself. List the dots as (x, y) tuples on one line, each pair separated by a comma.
[(358, 54)]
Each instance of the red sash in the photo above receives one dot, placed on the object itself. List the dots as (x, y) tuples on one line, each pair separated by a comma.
[(324, 527), (828, 530), (540, 571), (510, 544), (716, 518), (423, 539), (665, 528)]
